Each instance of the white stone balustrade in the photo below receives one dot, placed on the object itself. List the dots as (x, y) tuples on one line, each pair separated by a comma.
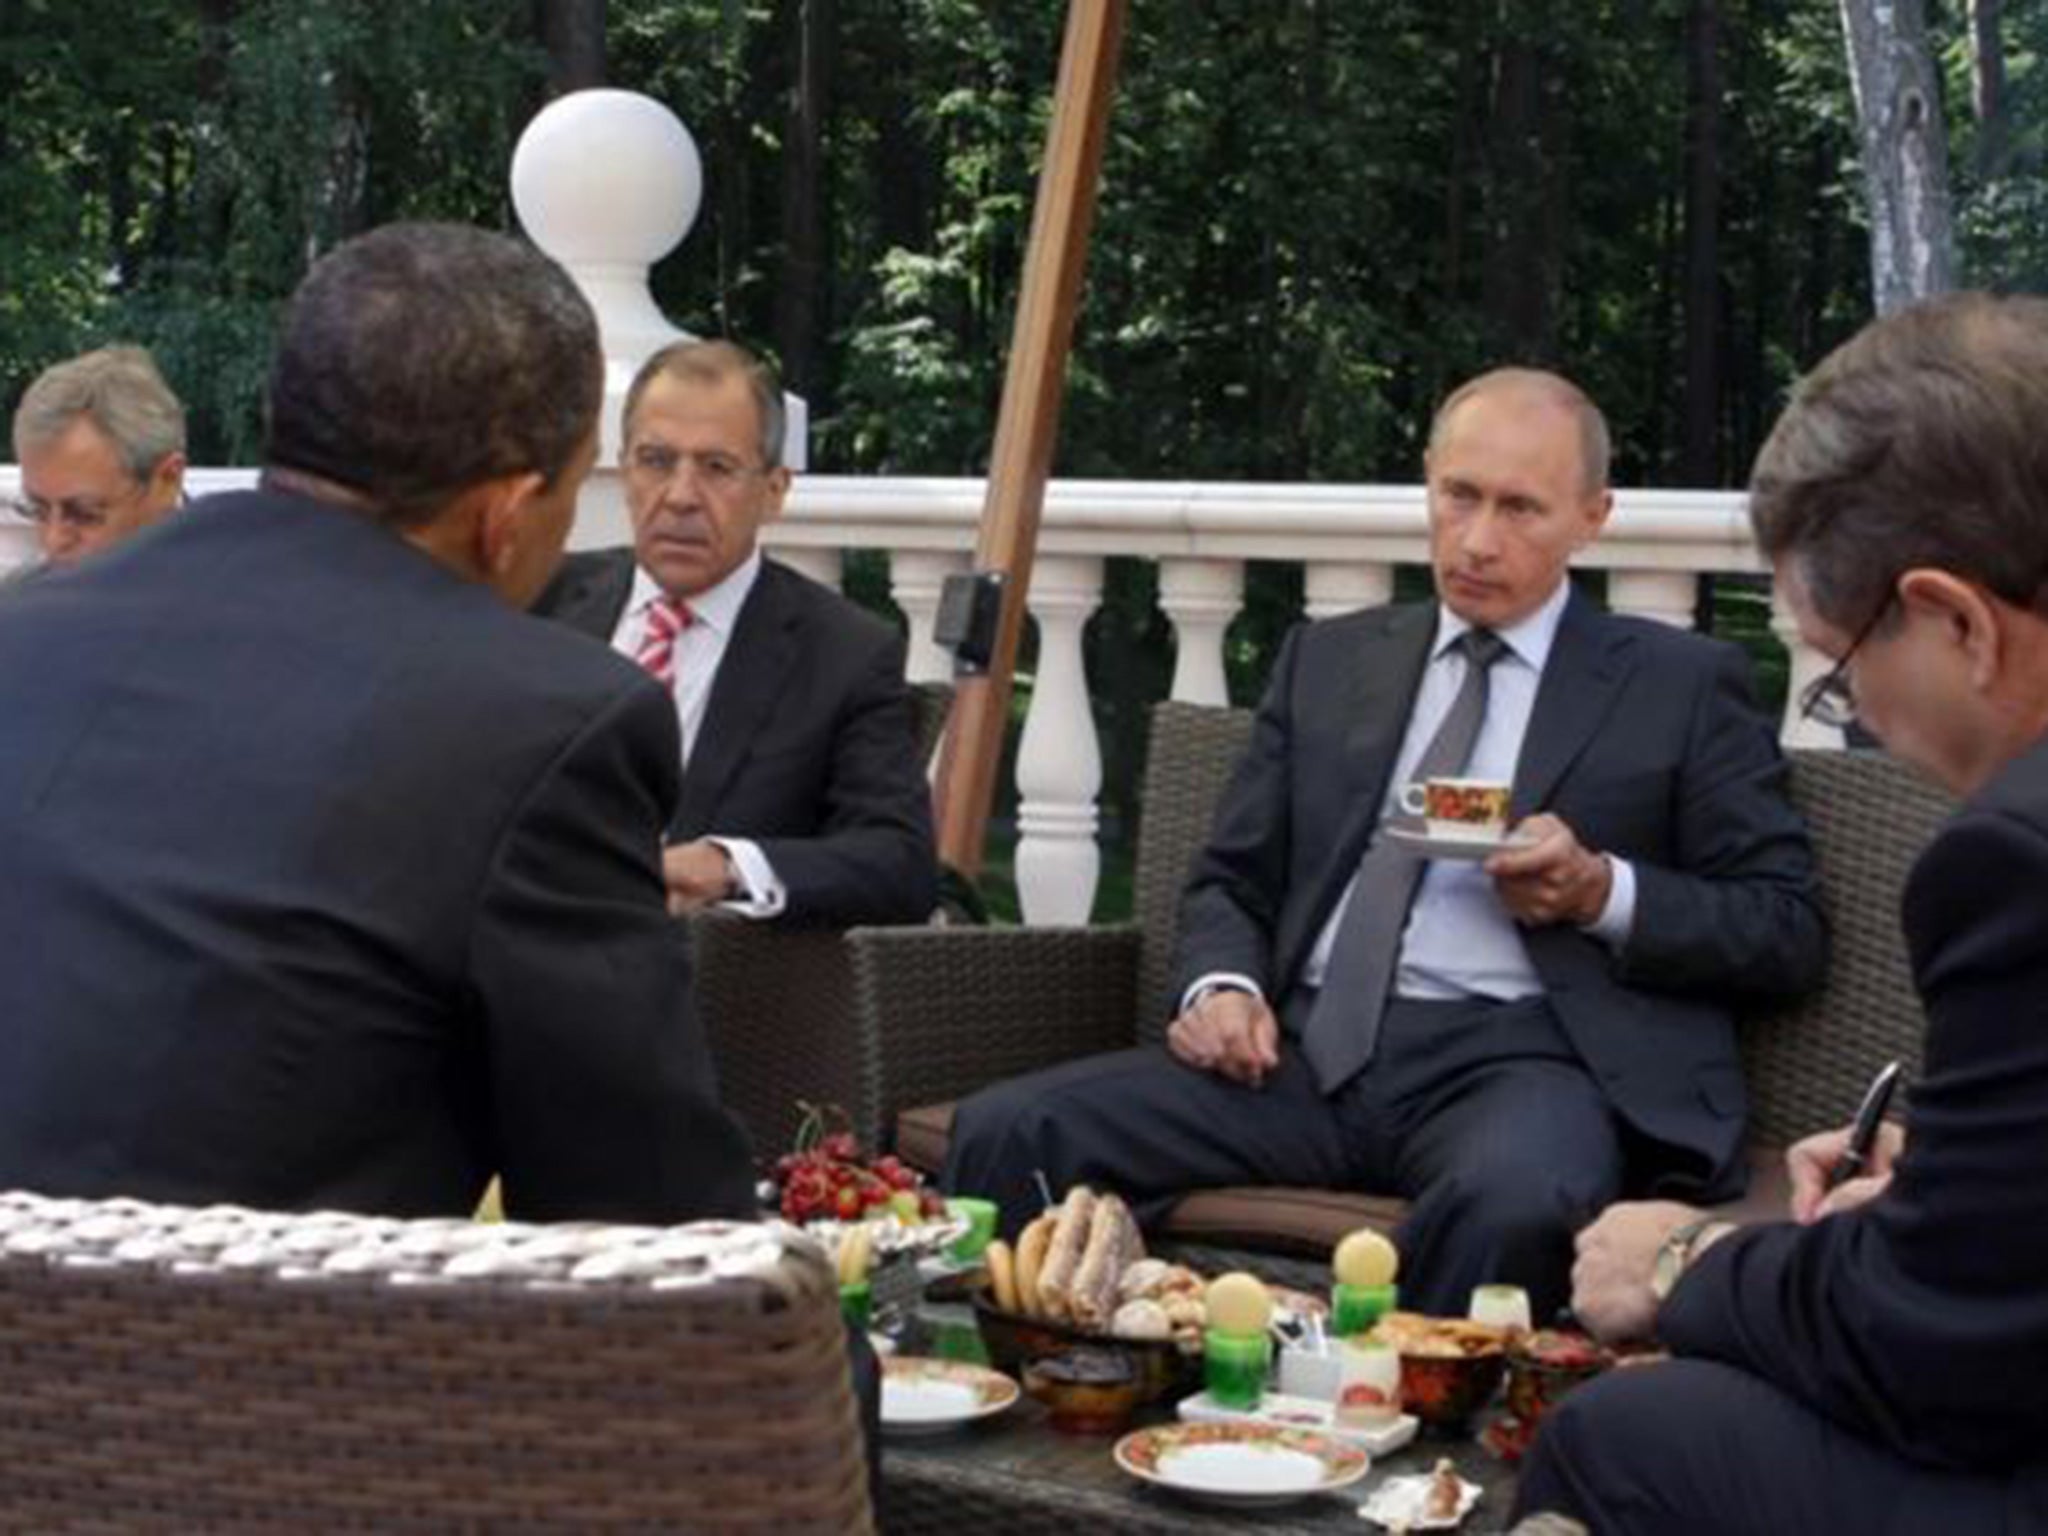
[(1348, 538)]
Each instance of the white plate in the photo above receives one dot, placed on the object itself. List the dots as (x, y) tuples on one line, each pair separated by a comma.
[(922, 1396), (1240, 1463), (1397, 1504), (1474, 846)]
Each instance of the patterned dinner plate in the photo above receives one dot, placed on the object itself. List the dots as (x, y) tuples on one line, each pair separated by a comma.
[(1241, 1463), (923, 1396)]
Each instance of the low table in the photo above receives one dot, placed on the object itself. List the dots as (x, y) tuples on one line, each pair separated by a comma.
[(1016, 1474)]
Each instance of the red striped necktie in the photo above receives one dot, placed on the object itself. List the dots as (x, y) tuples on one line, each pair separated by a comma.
[(667, 618)]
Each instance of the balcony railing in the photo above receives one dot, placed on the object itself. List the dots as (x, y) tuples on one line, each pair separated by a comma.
[(1347, 538)]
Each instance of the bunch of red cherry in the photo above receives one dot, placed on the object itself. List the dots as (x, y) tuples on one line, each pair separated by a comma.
[(827, 1178)]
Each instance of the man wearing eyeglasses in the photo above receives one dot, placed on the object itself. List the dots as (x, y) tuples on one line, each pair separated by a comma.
[(101, 443), (803, 798), (1880, 1361)]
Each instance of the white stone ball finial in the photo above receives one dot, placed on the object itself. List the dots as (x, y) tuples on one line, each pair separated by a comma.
[(607, 176)]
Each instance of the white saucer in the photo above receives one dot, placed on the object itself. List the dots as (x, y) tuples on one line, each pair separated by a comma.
[(1472, 846)]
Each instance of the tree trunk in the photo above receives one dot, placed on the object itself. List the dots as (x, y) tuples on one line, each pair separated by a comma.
[(572, 31), (1905, 150), (800, 301), (1987, 89), (1512, 280), (1697, 464)]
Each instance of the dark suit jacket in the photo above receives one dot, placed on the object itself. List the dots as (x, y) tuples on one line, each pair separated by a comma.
[(331, 881), (1920, 1320), (806, 746), (1644, 740)]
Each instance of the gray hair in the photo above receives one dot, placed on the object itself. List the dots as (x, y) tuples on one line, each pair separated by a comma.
[(119, 390), (1596, 450), (1919, 442), (713, 362)]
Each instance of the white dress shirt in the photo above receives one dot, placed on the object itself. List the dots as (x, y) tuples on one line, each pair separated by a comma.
[(698, 651), (1460, 941)]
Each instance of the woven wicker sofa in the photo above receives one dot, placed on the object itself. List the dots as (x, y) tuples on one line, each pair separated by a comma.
[(944, 1013), (173, 1369)]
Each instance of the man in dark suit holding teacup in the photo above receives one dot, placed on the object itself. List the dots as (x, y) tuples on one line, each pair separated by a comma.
[(1509, 1040)]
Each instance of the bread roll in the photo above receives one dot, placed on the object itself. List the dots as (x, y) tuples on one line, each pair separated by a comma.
[(1031, 1244), (1114, 1244), (1141, 1319), (1002, 1275), (1064, 1253)]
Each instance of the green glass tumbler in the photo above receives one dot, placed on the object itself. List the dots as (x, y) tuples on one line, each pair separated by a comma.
[(1355, 1308), (1235, 1366)]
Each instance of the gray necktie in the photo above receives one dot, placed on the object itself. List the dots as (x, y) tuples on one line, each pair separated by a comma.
[(1344, 1026)]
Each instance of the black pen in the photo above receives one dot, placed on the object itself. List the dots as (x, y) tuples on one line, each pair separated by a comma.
[(1863, 1134)]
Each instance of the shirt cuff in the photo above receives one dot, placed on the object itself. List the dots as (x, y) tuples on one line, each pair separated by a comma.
[(762, 894), (1219, 981), (1617, 920)]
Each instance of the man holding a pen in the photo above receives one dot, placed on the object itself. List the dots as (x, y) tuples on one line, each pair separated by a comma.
[(1879, 1362)]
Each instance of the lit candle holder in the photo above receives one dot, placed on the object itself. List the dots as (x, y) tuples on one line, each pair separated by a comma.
[(1369, 1389), (1354, 1309), (1234, 1367), (1502, 1306)]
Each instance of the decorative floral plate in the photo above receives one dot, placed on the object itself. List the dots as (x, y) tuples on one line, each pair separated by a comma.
[(923, 1396), (1240, 1463)]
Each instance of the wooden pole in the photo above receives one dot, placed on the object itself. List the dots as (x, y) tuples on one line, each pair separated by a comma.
[(1028, 423)]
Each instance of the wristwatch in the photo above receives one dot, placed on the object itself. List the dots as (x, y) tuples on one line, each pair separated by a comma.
[(1677, 1251)]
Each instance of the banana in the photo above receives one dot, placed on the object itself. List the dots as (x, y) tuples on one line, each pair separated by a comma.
[(856, 1248)]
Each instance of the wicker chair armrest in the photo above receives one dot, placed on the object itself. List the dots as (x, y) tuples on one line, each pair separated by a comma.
[(955, 1009)]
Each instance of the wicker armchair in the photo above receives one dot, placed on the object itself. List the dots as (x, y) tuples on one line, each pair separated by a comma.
[(950, 1012), (170, 1369), (778, 1009)]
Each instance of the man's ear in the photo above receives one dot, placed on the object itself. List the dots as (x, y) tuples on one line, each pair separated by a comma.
[(778, 492), (167, 481), (1965, 612), (501, 527)]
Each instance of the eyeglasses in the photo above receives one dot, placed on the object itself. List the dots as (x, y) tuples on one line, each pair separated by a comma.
[(1828, 699), (80, 513), (718, 473)]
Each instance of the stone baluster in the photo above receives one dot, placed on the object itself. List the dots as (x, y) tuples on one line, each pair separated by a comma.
[(821, 562), (1338, 586), (1059, 761), (1806, 665), (1669, 597), (1200, 597), (915, 576)]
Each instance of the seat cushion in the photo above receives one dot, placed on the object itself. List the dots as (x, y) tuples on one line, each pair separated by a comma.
[(1307, 1222)]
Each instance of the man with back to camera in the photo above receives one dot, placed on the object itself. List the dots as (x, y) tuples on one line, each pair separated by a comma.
[(100, 440), (1880, 1361), (803, 797), (1506, 1044), (333, 876)]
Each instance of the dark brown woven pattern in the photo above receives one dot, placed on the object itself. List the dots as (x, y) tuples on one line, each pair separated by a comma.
[(957, 1008), (165, 1370), (1193, 750), (778, 1008), (779, 1013), (1806, 1068)]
